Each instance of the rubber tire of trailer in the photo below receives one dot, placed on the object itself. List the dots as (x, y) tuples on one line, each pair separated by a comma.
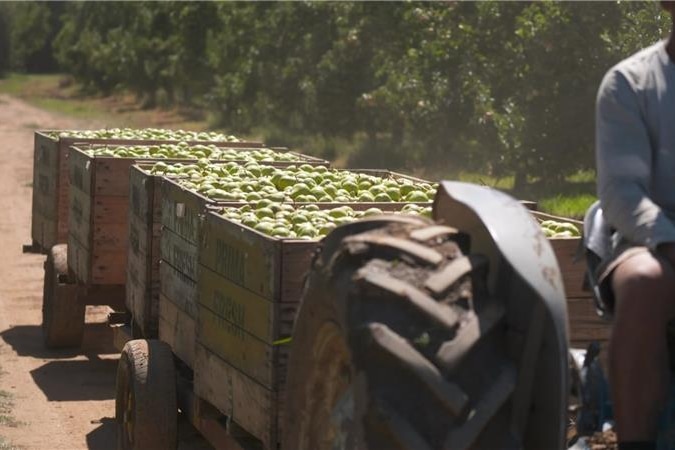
[(63, 314), (146, 410), (398, 344)]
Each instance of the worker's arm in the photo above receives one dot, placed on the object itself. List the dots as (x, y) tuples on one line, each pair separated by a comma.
[(624, 162)]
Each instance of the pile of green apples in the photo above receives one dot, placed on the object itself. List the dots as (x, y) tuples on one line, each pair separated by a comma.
[(183, 150), (283, 220), (556, 229), (159, 134), (305, 183)]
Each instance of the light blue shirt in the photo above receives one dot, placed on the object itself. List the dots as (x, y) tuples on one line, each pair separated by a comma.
[(635, 147)]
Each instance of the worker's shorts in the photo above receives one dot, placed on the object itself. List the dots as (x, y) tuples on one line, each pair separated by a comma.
[(623, 251)]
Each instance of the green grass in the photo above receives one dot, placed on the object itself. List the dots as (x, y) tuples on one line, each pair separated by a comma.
[(4, 445), (6, 418), (501, 183), (572, 206), (6, 405)]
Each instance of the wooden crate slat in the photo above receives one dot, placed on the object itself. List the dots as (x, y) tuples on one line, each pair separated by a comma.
[(241, 349), (78, 259), (180, 253), (571, 268), (181, 210), (43, 229), (108, 267), (249, 404), (241, 255), (177, 329), (80, 217), (236, 305), (178, 289), (110, 208), (112, 176), (296, 259), (44, 225), (109, 237)]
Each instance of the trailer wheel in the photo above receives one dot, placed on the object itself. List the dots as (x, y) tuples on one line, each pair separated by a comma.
[(398, 344), (62, 312), (145, 404)]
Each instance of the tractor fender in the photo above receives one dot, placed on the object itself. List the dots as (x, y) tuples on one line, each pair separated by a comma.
[(524, 270)]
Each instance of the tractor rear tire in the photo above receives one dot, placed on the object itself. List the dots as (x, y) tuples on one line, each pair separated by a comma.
[(63, 314), (146, 408), (399, 345)]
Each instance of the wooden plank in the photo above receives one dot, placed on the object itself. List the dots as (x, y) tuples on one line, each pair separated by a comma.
[(142, 295), (109, 237), (179, 252), (112, 176), (242, 350), (296, 259), (110, 209), (586, 326), (43, 231), (177, 329), (45, 176), (80, 216), (78, 259), (181, 210), (246, 257), (81, 170), (572, 271), (142, 194), (237, 305), (108, 267), (178, 289), (247, 403)]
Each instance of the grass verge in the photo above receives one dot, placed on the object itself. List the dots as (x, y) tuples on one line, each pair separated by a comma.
[(58, 93), (6, 418)]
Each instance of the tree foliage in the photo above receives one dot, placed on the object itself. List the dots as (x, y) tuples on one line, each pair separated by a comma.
[(506, 87)]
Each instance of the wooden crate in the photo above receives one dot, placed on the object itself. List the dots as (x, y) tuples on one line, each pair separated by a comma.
[(97, 232), (181, 212), (50, 207), (249, 289), (143, 258), (584, 323)]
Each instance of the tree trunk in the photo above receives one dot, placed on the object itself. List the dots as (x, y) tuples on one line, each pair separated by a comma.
[(520, 181)]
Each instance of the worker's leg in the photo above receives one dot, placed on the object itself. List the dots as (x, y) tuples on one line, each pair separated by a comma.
[(644, 288)]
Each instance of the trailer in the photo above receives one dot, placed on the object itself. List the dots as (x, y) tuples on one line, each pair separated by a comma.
[(91, 268)]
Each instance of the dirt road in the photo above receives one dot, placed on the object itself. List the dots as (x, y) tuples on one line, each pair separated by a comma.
[(62, 399)]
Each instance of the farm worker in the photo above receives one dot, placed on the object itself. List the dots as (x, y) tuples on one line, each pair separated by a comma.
[(635, 150)]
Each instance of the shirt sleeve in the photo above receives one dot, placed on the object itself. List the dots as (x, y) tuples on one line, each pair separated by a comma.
[(624, 163)]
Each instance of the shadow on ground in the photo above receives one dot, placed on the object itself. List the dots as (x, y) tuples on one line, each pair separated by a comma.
[(76, 380), (104, 437), (26, 340)]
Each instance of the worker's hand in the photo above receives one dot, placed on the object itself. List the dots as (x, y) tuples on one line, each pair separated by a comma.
[(667, 250)]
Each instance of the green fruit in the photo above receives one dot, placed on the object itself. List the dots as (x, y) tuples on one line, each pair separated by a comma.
[(264, 212), (366, 197), (406, 189), (394, 193), (327, 228), (350, 187), (264, 227), (382, 197), (372, 211), (416, 196)]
